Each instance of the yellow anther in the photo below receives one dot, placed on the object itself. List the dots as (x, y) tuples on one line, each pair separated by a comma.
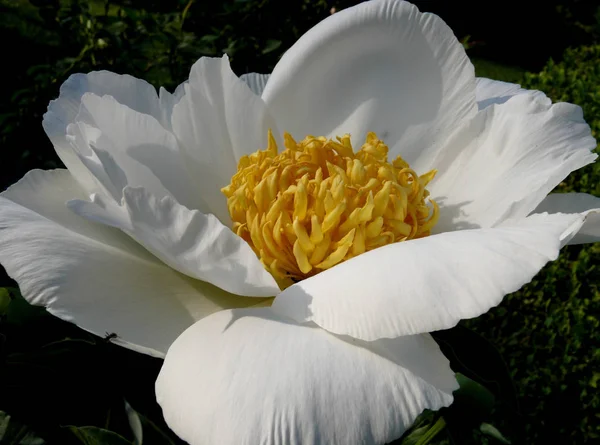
[(382, 199), (275, 210), (358, 172), (332, 218), (336, 171), (278, 231), (385, 174), (321, 250), (316, 232), (428, 225), (300, 201), (358, 244), (302, 236), (339, 253), (289, 142), (351, 222), (372, 184), (400, 227), (318, 203), (272, 145), (427, 177), (344, 148), (301, 258), (400, 202), (374, 227), (329, 202), (366, 213)]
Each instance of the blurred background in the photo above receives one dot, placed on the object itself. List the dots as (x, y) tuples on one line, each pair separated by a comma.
[(545, 338)]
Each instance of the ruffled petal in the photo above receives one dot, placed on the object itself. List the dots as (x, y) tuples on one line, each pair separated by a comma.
[(430, 283), (134, 93), (506, 160), (93, 275), (495, 92), (380, 66), (218, 120), (189, 241), (587, 205), (256, 82), (251, 377), (145, 154)]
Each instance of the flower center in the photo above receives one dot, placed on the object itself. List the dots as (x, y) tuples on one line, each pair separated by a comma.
[(318, 203)]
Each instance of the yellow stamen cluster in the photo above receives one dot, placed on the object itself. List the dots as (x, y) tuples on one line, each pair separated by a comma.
[(318, 203)]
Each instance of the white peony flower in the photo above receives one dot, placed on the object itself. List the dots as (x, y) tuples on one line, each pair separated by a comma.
[(363, 256)]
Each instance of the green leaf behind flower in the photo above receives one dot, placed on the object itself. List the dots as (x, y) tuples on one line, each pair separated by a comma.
[(91, 435)]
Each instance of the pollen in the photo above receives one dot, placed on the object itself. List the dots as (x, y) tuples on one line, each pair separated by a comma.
[(319, 203)]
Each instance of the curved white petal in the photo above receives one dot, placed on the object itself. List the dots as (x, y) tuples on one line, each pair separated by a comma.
[(93, 275), (583, 203), (189, 241), (380, 66), (256, 82), (147, 154), (507, 159), (494, 92), (134, 93), (218, 120), (167, 103), (427, 284), (251, 377)]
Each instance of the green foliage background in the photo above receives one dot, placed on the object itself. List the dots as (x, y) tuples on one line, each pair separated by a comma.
[(549, 331), (538, 352)]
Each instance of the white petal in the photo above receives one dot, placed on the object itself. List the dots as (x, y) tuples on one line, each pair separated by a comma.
[(427, 284), (256, 82), (189, 241), (168, 102), (93, 275), (218, 120), (380, 66), (583, 203), (136, 94), (494, 92), (506, 160), (250, 377), (147, 154)]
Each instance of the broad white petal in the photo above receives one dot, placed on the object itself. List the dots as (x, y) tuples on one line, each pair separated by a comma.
[(380, 66), (583, 203), (218, 120), (495, 92), (188, 240), (93, 275), (147, 154), (506, 160), (251, 377), (427, 284), (168, 102), (135, 93), (256, 82)]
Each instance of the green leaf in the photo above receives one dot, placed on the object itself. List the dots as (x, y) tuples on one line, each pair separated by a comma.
[(4, 300), (15, 433), (473, 403), (91, 435), (413, 437), (492, 431), (271, 46), (20, 312), (473, 396), (476, 358), (145, 431), (419, 428)]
